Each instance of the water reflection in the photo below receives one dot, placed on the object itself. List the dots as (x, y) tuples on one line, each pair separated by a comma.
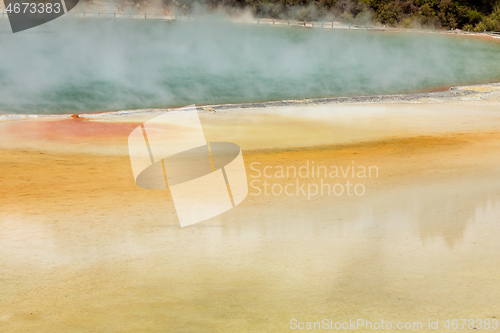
[(403, 252), (421, 216)]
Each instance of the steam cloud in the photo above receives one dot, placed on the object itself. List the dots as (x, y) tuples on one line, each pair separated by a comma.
[(79, 65)]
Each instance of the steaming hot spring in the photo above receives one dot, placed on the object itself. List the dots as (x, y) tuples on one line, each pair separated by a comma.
[(107, 65)]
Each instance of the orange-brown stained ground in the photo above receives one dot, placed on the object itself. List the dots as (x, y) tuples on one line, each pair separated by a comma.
[(84, 249), (72, 129)]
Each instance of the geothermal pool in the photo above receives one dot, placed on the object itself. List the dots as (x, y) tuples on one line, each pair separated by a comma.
[(79, 65)]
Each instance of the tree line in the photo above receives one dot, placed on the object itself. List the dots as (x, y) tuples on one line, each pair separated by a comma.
[(471, 15)]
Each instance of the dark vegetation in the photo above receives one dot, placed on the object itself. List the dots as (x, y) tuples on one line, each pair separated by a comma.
[(473, 15)]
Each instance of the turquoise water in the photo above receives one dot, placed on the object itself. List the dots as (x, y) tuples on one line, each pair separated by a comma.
[(72, 65)]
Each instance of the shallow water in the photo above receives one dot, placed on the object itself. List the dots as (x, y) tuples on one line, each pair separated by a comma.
[(75, 65), (85, 249), (406, 252)]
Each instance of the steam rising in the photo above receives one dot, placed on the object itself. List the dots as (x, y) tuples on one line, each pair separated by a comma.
[(77, 65)]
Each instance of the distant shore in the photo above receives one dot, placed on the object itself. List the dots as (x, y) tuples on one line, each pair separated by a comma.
[(154, 14)]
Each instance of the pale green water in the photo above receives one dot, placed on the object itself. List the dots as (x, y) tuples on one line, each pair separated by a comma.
[(95, 65)]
